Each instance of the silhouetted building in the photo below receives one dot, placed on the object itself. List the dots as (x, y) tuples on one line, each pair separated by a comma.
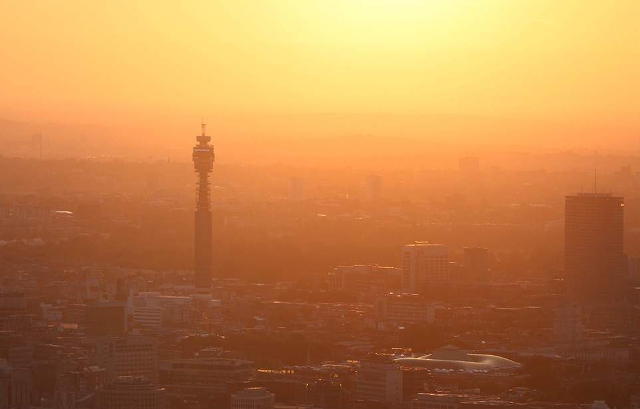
[(106, 319), (203, 157), (594, 260), (634, 269), (567, 327), (374, 187), (153, 182), (296, 188), (36, 140), (12, 301), (22, 391), (64, 399), (476, 263), (424, 265), (15, 350), (5, 384)]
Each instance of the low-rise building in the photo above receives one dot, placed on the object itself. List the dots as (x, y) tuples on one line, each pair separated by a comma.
[(130, 392), (202, 376), (253, 398), (128, 356), (405, 309)]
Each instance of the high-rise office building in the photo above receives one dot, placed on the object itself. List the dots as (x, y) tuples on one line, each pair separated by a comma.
[(633, 269), (476, 263), (379, 381), (567, 326), (424, 265), (594, 260), (36, 140), (374, 187), (203, 157), (130, 392), (296, 189)]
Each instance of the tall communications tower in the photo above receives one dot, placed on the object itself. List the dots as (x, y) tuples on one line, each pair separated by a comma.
[(203, 157)]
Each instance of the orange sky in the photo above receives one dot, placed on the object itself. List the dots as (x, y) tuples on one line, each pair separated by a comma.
[(162, 64)]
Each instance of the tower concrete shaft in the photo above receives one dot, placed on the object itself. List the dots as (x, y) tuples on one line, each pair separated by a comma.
[(203, 158)]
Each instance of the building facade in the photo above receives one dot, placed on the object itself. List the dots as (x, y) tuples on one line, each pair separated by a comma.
[(130, 392), (594, 261), (405, 309), (476, 263), (424, 265), (365, 278), (106, 319), (202, 376), (253, 398), (379, 380), (128, 356)]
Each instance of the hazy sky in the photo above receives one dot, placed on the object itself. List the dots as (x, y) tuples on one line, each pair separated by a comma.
[(150, 63)]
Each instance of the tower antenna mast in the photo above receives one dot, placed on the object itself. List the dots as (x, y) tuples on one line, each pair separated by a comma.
[(203, 158)]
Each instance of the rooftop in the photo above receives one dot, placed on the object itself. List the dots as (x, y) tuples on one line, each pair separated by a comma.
[(453, 358)]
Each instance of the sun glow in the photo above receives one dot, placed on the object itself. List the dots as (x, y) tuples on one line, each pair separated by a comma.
[(384, 21), (570, 60)]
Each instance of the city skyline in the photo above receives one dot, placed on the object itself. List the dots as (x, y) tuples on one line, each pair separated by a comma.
[(411, 204)]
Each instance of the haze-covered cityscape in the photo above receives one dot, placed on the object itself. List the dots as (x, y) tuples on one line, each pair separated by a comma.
[(345, 247)]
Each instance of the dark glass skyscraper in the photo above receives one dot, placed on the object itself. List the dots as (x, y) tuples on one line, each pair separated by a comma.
[(203, 157), (594, 260)]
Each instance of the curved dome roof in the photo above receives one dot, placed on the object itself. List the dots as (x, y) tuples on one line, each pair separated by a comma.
[(453, 358)]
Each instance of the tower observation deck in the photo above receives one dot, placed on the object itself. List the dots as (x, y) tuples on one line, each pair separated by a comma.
[(203, 157)]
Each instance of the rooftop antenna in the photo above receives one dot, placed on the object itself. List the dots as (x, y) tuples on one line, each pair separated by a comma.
[(204, 126), (595, 180)]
